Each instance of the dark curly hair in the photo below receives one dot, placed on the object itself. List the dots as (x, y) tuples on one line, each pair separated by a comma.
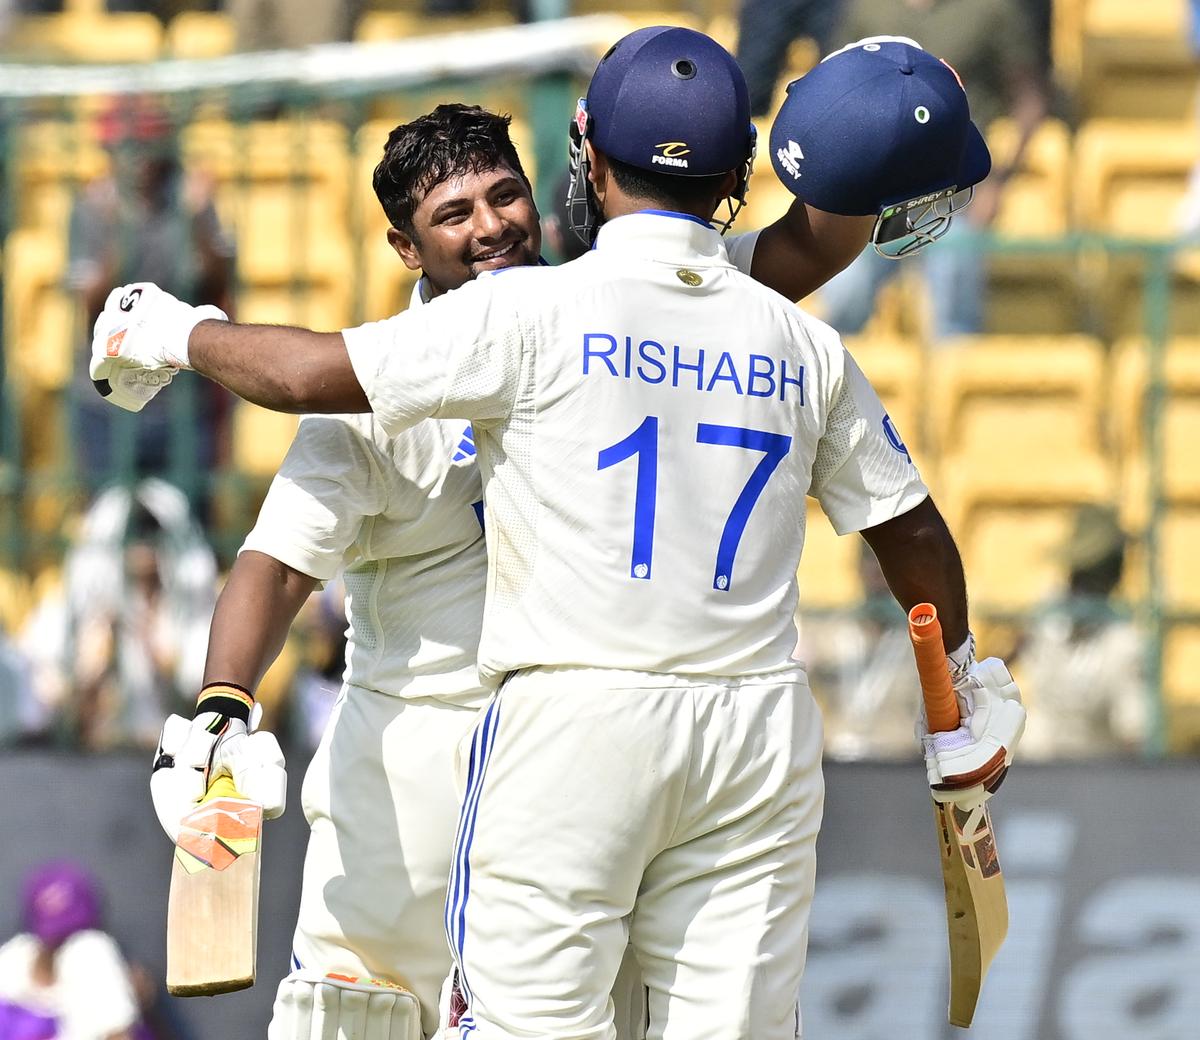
[(448, 142)]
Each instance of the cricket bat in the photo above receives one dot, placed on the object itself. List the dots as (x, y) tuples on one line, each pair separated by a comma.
[(976, 907), (212, 913)]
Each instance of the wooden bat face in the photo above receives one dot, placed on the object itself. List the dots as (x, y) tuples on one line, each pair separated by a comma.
[(976, 907), (212, 915)]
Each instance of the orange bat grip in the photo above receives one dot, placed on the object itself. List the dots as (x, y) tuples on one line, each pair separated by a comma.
[(925, 631)]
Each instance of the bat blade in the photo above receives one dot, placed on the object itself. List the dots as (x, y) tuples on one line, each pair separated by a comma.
[(976, 906), (212, 913)]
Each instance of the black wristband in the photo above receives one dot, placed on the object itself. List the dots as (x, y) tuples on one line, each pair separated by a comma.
[(228, 699)]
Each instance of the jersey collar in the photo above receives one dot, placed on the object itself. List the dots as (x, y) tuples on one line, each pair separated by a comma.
[(663, 235)]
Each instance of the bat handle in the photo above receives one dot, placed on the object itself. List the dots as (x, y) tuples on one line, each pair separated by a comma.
[(941, 706), (221, 787)]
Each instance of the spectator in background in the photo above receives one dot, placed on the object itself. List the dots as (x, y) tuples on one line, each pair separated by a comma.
[(992, 47), (862, 672), (146, 221), (767, 28), (1082, 661), (121, 644), (62, 977), (320, 632)]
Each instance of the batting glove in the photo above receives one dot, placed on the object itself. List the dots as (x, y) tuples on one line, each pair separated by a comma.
[(222, 739), (967, 765), (142, 328)]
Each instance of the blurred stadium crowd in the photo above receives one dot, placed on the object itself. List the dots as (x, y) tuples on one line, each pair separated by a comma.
[(1043, 361)]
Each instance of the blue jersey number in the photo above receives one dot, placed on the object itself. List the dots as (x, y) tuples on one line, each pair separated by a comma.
[(643, 443)]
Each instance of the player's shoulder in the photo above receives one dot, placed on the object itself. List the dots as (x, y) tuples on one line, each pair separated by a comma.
[(821, 335)]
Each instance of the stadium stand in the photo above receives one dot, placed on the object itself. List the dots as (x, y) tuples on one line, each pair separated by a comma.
[(87, 36), (1033, 291), (1135, 60), (199, 34), (1179, 433)]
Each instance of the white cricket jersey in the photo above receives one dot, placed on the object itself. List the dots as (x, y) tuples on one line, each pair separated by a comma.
[(648, 421), (403, 515)]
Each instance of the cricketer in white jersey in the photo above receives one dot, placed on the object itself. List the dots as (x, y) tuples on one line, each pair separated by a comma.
[(654, 754), (403, 516)]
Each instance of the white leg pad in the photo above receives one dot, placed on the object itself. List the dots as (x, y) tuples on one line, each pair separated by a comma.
[(312, 1006)]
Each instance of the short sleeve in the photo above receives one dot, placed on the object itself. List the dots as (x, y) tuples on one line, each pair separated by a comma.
[(457, 357), (741, 250), (862, 473), (329, 481)]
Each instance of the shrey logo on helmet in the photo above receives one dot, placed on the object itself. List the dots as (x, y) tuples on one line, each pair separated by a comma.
[(671, 154)]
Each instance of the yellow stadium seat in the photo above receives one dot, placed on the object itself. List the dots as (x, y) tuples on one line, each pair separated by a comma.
[(1179, 548), (1018, 420), (828, 575), (88, 37), (16, 600), (52, 159), (324, 306), (385, 26), (1009, 553), (284, 187), (1035, 197), (1135, 59), (40, 316), (1180, 424), (260, 439), (1033, 292), (200, 34), (1130, 175), (1181, 687), (895, 368)]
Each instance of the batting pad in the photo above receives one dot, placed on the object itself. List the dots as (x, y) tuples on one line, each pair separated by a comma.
[(312, 1006)]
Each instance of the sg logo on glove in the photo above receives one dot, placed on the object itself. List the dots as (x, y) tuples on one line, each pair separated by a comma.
[(130, 299)]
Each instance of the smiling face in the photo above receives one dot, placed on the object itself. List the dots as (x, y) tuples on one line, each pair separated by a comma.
[(469, 223)]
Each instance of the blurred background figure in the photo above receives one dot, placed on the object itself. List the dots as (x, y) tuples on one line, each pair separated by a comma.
[(319, 634), (1082, 658), (992, 46), (121, 644), (860, 666), (62, 977), (767, 28), (147, 220)]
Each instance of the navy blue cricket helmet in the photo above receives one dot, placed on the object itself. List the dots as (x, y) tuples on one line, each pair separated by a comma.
[(667, 100), (876, 124)]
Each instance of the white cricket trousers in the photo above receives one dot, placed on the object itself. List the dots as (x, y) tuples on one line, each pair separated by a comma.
[(381, 799), (684, 809)]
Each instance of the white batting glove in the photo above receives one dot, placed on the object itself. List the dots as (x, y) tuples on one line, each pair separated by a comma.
[(142, 327), (193, 752), (966, 765)]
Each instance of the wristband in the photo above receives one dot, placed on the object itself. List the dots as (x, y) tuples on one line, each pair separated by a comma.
[(228, 699)]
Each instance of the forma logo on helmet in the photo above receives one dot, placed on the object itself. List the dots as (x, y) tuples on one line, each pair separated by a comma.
[(663, 101)]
